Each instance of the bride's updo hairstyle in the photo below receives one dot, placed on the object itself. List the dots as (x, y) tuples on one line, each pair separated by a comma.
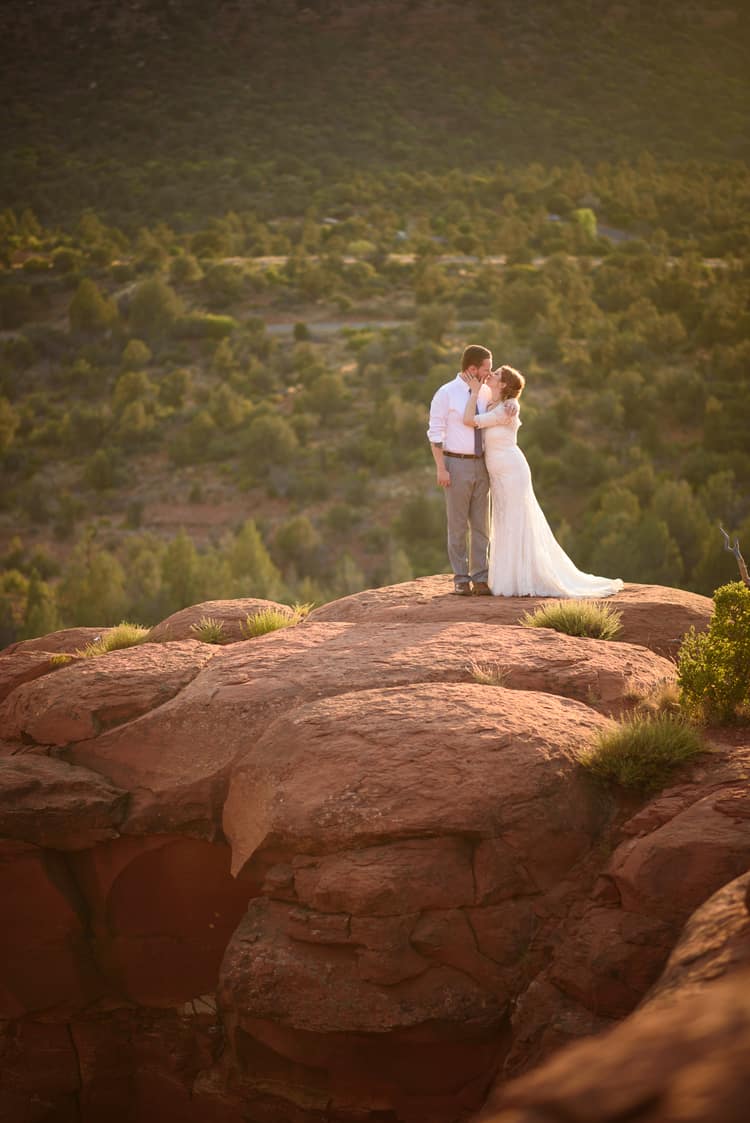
[(513, 382)]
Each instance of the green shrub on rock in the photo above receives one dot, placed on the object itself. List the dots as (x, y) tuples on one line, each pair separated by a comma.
[(122, 635), (642, 752), (714, 666)]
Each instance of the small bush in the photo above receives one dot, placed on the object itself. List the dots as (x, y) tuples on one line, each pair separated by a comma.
[(209, 630), (642, 752), (122, 635), (664, 699), (489, 674), (61, 659), (576, 618), (713, 667), (199, 325), (271, 619)]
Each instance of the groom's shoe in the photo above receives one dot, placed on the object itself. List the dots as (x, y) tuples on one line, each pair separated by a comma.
[(462, 588), (481, 589)]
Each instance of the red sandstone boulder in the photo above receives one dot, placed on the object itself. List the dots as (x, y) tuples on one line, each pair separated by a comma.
[(670, 871), (675, 852), (232, 614), (176, 759), (653, 616), (380, 748), (46, 961), (22, 667), (144, 1064), (57, 805), (89, 696), (714, 942), (424, 871), (66, 641), (687, 1064), (401, 883), (39, 1074), (161, 911), (681, 1058), (141, 920)]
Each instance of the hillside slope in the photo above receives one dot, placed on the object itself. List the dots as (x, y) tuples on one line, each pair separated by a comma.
[(158, 110)]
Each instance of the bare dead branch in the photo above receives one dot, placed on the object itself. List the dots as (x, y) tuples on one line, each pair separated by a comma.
[(734, 548)]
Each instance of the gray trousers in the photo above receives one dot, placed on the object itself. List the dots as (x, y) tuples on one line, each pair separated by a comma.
[(467, 507)]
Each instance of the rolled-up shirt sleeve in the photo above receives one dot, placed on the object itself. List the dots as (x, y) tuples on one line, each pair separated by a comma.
[(438, 418)]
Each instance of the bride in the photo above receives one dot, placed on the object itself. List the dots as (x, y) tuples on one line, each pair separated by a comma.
[(525, 558)]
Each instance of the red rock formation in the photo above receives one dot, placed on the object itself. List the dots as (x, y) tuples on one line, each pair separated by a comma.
[(652, 616), (672, 854), (21, 667), (231, 614), (161, 911), (67, 641), (90, 696), (56, 805), (681, 1058), (421, 869)]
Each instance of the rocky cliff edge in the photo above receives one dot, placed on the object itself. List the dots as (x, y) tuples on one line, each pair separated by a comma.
[(327, 875)]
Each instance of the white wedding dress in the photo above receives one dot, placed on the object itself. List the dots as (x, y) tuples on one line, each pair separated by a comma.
[(525, 558)]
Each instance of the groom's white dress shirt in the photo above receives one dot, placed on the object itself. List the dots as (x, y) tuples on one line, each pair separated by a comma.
[(447, 416)]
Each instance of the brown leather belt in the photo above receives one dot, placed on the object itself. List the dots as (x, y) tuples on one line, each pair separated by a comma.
[(464, 455)]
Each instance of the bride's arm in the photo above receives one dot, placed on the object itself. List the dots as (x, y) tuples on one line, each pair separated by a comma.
[(470, 412), (500, 415)]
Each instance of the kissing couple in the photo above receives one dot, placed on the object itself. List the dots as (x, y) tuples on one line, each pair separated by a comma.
[(474, 423)]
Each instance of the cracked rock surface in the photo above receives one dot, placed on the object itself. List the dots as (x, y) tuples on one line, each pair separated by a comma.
[(680, 1058)]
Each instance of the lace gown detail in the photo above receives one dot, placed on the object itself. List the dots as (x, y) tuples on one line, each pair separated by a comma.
[(525, 557)]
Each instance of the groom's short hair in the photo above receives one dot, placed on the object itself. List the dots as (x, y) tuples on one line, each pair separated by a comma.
[(474, 356)]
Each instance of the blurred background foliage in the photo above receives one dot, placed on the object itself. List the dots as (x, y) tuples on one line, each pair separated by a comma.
[(238, 255)]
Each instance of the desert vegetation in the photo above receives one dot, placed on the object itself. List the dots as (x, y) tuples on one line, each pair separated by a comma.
[(595, 619), (216, 352), (714, 666), (643, 752)]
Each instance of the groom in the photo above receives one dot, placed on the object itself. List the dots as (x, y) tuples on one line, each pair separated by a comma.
[(459, 459)]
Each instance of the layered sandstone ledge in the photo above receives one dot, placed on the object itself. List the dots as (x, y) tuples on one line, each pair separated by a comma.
[(325, 874)]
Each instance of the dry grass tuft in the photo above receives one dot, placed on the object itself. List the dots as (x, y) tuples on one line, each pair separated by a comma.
[(576, 618), (489, 674), (643, 751), (123, 635), (209, 630), (271, 619)]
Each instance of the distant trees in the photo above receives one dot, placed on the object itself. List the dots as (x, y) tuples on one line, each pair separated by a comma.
[(182, 578), (185, 269), (269, 439), (635, 418), (132, 386), (92, 590), (90, 312), (253, 572), (8, 425), (298, 544), (585, 220), (153, 309), (136, 354), (17, 306), (41, 614)]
